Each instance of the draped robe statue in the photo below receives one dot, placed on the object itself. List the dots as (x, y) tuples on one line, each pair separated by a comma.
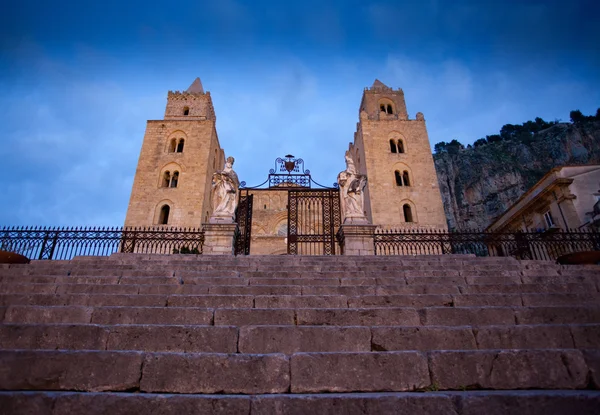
[(224, 193), (352, 198)]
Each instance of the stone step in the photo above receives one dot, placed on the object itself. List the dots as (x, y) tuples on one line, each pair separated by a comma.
[(150, 338), (291, 339), (554, 402), (110, 315), (93, 371), (244, 314), (232, 285)]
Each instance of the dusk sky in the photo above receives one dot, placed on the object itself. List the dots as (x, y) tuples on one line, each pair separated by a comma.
[(79, 79)]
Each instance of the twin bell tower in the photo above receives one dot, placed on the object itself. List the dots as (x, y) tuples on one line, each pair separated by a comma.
[(181, 152)]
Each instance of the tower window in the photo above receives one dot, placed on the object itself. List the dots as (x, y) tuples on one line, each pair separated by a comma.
[(166, 179), (398, 178), (393, 146), (186, 110), (163, 219), (400, 146), (389, 109), (407, 213), (172, 146), (180, 145), (382, 108), (405, 178), (174, 179), (170, 180)]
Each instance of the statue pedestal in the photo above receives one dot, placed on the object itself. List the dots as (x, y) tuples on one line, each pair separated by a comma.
[(219, 238), (358, 239)]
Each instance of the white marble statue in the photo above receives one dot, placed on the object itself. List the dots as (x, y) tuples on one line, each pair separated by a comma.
[(224, 193), (352, 198)]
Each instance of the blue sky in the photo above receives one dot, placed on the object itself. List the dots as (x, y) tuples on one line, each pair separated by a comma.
[(80, 79)]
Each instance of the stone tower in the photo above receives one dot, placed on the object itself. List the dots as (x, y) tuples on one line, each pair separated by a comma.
[(394, 152), (179, 154)]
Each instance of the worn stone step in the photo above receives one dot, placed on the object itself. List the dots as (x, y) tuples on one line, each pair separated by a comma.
[(304, 301), (150, 338), (245, 314), (485, 337), (551, 402), (569, 288), (84, 299), (108, 315), (300, 373), (146, 372), (291, 339)]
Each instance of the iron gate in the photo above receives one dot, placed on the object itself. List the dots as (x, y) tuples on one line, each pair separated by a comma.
[(244, 220), (313, 213), (313, 220)]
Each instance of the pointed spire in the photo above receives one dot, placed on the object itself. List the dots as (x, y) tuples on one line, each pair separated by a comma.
[(379, 84), (196, 87)]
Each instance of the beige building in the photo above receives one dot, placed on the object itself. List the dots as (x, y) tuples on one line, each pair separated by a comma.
[(565, 198), (180, 153)]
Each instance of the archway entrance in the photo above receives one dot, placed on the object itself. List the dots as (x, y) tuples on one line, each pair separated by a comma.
[(288, 213)]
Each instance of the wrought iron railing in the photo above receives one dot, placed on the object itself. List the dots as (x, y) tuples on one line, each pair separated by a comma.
[(548, 245), (65, 243)]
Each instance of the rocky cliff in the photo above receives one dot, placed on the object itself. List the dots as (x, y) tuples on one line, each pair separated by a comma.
[(480, 183)]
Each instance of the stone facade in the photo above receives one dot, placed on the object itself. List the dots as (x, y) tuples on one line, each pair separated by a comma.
[(174, 173), (387, 141)]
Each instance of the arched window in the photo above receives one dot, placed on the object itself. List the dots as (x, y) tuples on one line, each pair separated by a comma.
[(398, 178), (382, 108), (180, 145), (405, 179), (166, 179), (407, 213), (172, 146), (163, 219), (186, 110), (392, 146), (389, 109), (400, 146), (174, 179)]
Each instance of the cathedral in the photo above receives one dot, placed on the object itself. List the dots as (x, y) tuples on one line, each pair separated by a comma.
[(181, 153)]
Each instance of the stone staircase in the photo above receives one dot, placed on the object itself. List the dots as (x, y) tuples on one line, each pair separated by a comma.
[(177, 334)]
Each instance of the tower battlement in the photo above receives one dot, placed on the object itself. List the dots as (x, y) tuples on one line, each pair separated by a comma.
[(191, 104)]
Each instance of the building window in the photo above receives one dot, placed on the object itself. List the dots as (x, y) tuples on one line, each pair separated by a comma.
[(180, 145), (186, 110), (174, 179), (393, 146), (398, 178), (407, 213), (172, 146), (405, 178), (400, 146), (170, 180), (166, 179), (163, 219), (382, 108), (389, 109), (548, 219)]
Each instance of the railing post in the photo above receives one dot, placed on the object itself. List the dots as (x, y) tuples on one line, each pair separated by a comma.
[(48, 252)]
